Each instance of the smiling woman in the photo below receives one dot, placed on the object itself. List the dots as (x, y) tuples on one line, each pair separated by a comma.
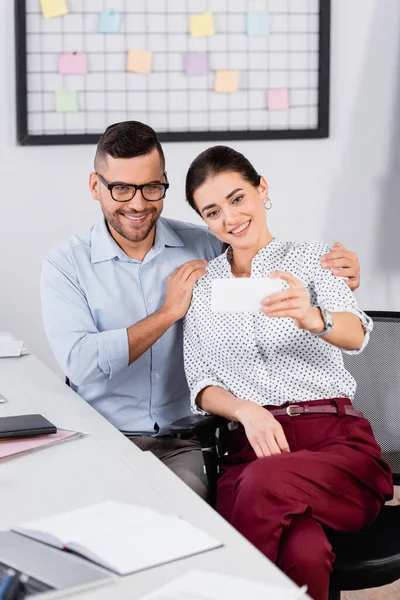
[(283, 478)]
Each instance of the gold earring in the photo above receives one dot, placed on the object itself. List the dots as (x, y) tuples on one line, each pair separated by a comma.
[(267, 203)]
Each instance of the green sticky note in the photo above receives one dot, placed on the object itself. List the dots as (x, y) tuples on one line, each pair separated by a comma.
[(66, 102)]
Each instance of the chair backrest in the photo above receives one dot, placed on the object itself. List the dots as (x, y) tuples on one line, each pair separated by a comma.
[(377, 372)]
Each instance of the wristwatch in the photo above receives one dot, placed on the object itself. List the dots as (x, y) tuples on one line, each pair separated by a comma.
[(327, 319)]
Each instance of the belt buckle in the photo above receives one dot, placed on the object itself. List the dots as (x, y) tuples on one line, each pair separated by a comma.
[(289, 410)]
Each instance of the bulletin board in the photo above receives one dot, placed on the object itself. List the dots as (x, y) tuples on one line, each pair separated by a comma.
[(191, 69)]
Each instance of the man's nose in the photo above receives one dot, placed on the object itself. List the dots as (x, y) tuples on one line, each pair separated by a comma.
[(138, 203)]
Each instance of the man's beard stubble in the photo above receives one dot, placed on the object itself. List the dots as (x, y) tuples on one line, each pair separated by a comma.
[(131, 235)]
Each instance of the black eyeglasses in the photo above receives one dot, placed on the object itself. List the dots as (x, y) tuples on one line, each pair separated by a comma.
[(123, 192)]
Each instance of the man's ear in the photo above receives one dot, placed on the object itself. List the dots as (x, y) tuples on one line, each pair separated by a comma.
[(94, 186), (263, 187)]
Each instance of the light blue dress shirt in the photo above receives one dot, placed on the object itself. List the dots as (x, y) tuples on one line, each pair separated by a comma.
[(91, 293)]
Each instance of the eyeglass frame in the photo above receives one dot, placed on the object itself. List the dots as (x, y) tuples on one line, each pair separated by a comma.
[(111, 186)]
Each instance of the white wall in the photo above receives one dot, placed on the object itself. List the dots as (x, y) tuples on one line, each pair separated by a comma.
[(343, 188)]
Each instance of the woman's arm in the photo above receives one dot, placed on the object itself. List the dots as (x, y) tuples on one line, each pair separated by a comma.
[(347, 332), (263, 431), (294, 302)]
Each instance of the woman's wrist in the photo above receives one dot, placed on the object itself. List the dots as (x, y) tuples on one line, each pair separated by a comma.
[(314, 322), (240, 409)]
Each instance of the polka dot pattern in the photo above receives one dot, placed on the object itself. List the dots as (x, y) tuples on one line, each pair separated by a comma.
[(269, 360)]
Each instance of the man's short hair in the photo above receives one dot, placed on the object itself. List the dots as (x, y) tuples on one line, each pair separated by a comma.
[(127, 140)]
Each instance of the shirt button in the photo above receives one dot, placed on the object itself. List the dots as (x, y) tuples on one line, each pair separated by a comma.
[(149, 300), (155, 412), (156, 375)]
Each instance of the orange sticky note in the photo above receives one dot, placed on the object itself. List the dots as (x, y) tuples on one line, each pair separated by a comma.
[(202, 25), (53, 8), (139, 61), (226, 81)]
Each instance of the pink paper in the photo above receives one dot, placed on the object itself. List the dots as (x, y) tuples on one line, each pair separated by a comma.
[(278, 99), (196, 63), (72, 63), (11, 446)]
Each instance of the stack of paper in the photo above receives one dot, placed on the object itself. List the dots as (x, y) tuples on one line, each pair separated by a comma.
[(10, 347), (199, 585)]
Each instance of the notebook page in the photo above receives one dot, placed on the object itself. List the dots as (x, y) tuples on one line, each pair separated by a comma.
[(147, 544), (200, 585), (83, 522)]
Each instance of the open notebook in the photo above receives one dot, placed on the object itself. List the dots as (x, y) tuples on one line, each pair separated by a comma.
[(120, 537)]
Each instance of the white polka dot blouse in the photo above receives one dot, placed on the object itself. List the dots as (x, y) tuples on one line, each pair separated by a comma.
[(263, 359)]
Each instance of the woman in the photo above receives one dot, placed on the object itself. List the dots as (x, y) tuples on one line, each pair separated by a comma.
[(299, 457)]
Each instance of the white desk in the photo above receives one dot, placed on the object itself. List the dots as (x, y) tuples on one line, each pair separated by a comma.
[(106, 466)]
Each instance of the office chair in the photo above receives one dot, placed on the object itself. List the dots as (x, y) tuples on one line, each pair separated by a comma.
[(370, 558)]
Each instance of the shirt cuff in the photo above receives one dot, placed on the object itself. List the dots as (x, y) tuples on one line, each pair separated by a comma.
[(113, 351), (367, 324), (195, 391)]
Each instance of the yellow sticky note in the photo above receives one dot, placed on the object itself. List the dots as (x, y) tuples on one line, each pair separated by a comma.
[(202, 25), (66, 101), (226, 81), (139, 61), (54, 8)]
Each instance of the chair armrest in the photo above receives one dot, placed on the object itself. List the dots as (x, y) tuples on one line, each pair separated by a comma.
[(195, 424)]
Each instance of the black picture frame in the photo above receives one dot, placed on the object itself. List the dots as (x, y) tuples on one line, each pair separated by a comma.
[(321, 131)]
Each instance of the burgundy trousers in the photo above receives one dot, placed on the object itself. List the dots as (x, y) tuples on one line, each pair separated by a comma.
[(332, 477)]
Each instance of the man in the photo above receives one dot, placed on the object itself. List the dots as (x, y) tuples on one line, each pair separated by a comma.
[(113, 299)]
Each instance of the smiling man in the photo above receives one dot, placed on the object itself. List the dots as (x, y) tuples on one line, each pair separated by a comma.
[(113, 299)]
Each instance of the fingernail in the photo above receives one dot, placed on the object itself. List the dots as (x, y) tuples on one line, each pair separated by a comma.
[(335, 271)]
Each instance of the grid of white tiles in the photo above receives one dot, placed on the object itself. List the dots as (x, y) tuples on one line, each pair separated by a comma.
[(167, 98)]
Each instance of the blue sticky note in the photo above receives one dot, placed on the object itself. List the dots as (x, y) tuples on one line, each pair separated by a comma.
[(257, 23), (109, 21)]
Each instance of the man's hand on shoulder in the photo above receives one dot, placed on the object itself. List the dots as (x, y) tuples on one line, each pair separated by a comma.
[(180, 287), (343, 263)]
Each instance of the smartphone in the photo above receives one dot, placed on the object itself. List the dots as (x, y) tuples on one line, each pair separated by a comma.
[(242, 294)]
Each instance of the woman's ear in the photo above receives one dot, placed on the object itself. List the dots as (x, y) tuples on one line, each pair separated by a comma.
[(94, 186), (263, 187)]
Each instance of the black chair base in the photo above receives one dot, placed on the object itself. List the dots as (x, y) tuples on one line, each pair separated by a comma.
[(370, 558)]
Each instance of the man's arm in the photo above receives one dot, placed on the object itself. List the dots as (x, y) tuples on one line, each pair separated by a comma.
[(177, 301), (343, 263), (87, 355)]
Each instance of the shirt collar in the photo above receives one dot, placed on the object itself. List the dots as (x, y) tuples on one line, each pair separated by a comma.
[(261, 254), (104, 247), (166, 236)]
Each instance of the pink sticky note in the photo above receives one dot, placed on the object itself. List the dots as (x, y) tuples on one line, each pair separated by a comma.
[(72, 63), (278, 99), (196, 63)]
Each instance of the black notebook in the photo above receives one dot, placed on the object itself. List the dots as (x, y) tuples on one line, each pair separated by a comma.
[(25, 426)]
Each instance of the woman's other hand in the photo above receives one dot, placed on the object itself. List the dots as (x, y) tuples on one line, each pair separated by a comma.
[(263, 431)]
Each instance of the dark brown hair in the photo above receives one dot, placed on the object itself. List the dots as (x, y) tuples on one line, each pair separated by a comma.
[(127, 140), (218, 159)]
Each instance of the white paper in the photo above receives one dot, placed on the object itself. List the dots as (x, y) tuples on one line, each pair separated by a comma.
[(148, 544), (74, 525), (242, 294), (9, 348), (201, 585)]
